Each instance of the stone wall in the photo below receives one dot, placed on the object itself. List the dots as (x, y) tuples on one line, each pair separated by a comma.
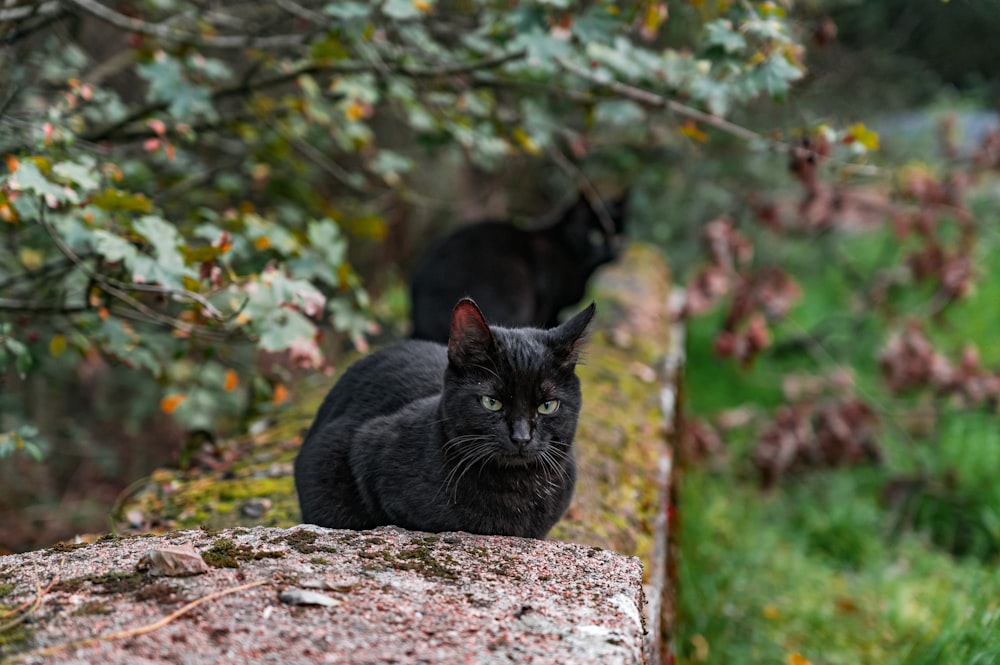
[(599, 591)]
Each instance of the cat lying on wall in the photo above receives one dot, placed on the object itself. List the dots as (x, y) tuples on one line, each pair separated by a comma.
[(474, 436)]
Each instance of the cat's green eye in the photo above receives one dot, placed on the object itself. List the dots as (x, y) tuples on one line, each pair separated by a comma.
[(491, 403), (548, 406)]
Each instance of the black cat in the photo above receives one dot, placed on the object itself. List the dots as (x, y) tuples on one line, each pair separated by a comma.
[(519, 277), (474, 436)]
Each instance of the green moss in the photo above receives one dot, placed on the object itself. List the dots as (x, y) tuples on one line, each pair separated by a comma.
[(619, 437), (93, 607), (70, 585), (241, 489), (160, 592), (423, 561), (419, 559), (118, 581), (224, 553), (481, 552), (114, 581), (60, 548), (15, 639), (5, 589), (304, 541)]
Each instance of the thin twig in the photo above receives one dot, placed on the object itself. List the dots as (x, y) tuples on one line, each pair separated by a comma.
[(586, 188), (113, 129), (134, 632), (31, 606), (108, 286), (304, 13), (98, 10), (647, 98), (10, 305), (40, 9), (654, 100)]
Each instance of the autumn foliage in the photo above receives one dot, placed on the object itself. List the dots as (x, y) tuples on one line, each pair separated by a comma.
[(826, 422)]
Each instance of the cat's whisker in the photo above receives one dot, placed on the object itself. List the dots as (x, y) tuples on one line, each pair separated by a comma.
[(479, 454), (558, 469), (478, 447), (491, 371), (457, 468), (551, 459), (461, 439)]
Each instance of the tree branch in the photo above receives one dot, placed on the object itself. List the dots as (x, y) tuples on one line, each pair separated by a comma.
[(651, 99), (248, 87), (32, 10), (117, 289), (99, 11), (304, 13), (10, 305)]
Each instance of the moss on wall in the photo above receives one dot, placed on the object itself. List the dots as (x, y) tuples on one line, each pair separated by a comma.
[(619, 440)]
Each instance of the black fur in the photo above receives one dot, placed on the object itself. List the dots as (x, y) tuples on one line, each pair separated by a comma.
[(404, 437), (519, 277)]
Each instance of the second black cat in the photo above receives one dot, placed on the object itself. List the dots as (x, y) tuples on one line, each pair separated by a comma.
[(519, 277), (476, 436)]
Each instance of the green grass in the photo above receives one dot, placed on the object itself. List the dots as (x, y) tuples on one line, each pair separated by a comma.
[(825, 565), (808, 571)]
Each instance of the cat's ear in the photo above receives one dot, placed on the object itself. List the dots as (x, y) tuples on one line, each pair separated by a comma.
[(618, 209), (470, 339), (567, 339)]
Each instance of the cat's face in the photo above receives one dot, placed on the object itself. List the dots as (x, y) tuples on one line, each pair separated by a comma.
[(511, 396)]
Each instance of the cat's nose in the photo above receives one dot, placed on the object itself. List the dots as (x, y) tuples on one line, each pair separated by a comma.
[(520, 433)]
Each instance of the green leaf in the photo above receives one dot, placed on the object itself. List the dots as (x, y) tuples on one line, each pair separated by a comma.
[(348, 10), (283, 327), (168, 84), (163, 237), (11, 346), (115, 337), (720, 33), (323, 256), (766, 28), (390, 165), (28, 178), (112, 247), (715, 94), (620, 113), (113, 200), (211, 68), (401, 10), (21, 440), (774, 75), (330, 49), (542, 50), (83, 176), (22, 361)]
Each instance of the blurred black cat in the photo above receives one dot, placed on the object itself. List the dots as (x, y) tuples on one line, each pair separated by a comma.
[(519, 277), (474, 436)]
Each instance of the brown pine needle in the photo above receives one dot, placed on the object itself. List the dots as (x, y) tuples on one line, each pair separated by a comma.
[(28, 607), (133, 632)]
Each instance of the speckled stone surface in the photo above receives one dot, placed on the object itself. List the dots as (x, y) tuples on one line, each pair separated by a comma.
[(411, 598), (397, 597)]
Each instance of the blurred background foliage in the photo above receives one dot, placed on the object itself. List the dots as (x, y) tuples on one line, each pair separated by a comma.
[(203, 201)]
